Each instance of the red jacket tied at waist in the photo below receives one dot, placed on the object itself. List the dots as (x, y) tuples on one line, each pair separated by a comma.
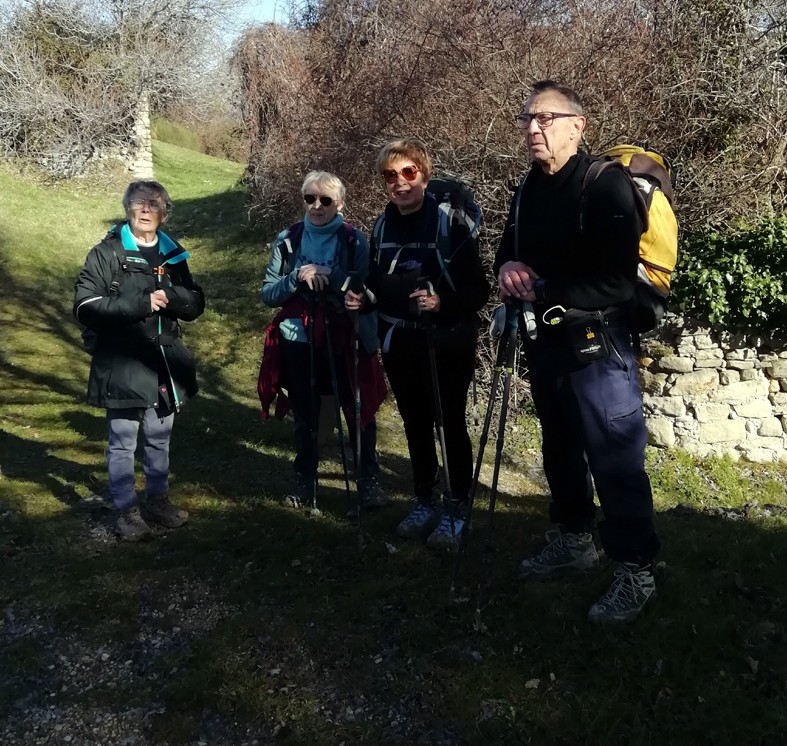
[(370, 370)]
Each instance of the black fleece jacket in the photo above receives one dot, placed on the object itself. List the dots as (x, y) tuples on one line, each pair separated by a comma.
[(415, 235), (589, 268)]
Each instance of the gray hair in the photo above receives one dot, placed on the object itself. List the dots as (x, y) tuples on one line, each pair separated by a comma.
[(146, 185), (571, 96), (327, 181)]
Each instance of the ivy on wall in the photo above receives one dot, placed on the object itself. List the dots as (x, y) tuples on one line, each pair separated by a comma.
[(735, 278)]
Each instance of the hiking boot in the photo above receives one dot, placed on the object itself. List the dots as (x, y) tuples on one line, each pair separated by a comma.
[(421, 520), (300, 493), (159, 509), (565, 554), (371, 496), (632, 587), (448, 533), (130, 526)]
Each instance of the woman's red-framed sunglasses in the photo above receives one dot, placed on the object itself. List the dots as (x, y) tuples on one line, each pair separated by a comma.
[(409, 173)]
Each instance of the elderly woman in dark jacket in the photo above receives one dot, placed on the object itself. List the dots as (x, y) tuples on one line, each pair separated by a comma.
[(132, 292), (405, 255)]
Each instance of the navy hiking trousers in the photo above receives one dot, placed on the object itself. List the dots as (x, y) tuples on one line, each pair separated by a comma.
[(593, 426)]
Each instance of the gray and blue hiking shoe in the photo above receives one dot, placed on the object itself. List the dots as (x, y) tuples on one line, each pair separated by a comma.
[(565, 554), (131, 526), (448, 533), (421, 520), (371, 496), (632, 587), (159, 509), (300, 493)]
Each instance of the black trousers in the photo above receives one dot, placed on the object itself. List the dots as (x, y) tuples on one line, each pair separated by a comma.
[(409, 373), (296, 372), (593, 426)]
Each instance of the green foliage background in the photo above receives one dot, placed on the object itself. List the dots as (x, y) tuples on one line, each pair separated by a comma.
[(735, 277)]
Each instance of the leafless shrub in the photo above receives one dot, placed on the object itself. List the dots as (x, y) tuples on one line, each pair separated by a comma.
[(702, 82), (72, 72)]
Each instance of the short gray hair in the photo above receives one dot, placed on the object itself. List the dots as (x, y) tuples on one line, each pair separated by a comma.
[(571, 96), (146, 185), (326, 180)]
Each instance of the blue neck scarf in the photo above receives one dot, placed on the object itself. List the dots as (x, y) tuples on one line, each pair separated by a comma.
[(319, 244)]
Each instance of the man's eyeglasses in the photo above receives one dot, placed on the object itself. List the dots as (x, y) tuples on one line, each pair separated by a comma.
[(409, 173), (310, 199), (543, 118), (138, 204)]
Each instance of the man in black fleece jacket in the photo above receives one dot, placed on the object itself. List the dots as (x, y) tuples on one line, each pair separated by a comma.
[(583, 267)]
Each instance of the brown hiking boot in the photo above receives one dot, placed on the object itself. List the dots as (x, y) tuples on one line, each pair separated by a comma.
[(131, 527), (160, 510)]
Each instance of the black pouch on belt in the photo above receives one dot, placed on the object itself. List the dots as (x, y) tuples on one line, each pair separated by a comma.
[(586, 334)]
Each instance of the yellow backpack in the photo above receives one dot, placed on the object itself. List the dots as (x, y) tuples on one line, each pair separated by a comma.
[(650, 174)]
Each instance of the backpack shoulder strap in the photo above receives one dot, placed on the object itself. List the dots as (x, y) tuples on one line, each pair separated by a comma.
[(348, 240), (120, 270), (289, 245), (517, 203), (445, 216), (377, 234), (594, 171)]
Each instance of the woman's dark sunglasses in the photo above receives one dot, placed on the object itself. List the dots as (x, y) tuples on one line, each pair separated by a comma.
[(409, 173), (310, 199)]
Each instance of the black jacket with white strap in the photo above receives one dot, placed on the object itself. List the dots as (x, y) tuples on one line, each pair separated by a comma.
[(138, 352)]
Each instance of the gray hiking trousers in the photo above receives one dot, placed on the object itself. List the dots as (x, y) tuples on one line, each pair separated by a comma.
[(123, 425)]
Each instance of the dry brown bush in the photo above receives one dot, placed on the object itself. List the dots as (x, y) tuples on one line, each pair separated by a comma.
[(703, 81)]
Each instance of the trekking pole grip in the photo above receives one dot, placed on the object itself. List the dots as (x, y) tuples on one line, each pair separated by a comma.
[(356, 284)]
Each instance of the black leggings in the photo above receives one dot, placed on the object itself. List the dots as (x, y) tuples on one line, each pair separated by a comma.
[(408, 370), (296, 371)]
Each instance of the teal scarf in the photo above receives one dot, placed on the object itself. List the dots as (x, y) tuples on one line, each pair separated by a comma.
[(169, 249), (319, 244)]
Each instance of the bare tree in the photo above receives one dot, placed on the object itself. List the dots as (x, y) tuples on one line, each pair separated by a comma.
[(72, 72)]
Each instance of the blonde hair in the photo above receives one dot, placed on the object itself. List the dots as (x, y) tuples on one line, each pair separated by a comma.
[(327, 181), (410, 148)]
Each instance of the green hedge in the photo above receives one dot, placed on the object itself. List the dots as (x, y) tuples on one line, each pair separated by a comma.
[(736, 278)]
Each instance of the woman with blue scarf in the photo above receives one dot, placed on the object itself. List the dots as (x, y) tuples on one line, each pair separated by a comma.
[(310, 265), (131, 294)]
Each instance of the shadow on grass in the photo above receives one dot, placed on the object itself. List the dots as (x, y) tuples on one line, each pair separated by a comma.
[(257, 621)]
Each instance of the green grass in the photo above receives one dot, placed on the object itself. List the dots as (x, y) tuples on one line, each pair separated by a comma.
[(173, 133), (287, 631)]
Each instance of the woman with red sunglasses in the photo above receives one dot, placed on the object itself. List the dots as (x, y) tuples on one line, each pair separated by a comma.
[(409, 280), (310, 263)]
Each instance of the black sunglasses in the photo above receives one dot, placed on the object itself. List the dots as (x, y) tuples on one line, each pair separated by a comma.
[(310, 199)]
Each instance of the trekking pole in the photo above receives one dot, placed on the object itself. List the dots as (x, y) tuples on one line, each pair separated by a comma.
[(475, 400), (513, 312), (356, 286), (424, 284), (313, 392), (502, 348), (337, 405)]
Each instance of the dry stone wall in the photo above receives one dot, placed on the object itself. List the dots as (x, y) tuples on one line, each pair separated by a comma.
[(715, 392)]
